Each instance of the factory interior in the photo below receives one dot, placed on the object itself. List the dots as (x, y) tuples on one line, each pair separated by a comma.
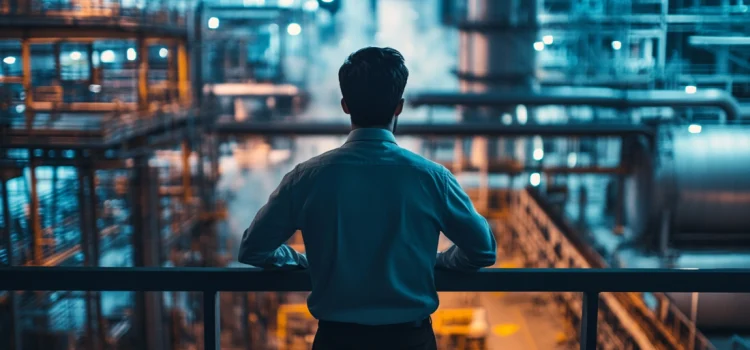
[(592, 134)]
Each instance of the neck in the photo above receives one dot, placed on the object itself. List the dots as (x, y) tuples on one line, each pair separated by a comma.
[(385, 127)]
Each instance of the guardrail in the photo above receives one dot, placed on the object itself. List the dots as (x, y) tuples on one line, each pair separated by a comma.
[(110, 12), (545, 240), (211, 281)]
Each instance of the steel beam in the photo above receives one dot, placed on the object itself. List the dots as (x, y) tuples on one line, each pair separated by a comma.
[(36, 225), (183, 80), (186, 175), (27, 89), (144, 206), (436, 130), (618, 99), (143, 102), (7, 220)]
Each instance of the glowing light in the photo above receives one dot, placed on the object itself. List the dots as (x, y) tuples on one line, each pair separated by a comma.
[(539, 46), (548, 39), (690, 89), (75, 55), (20, 108), (163, 52), (327, 0), (572, 159), (95, 88), (9, 60), (294, 29), (538, 154), (695, 129), (213, 23), (507, 119), (616, 45), (286, 3), (108, 56), (310, 5), (131, 54), (522, 114), (535, 179)]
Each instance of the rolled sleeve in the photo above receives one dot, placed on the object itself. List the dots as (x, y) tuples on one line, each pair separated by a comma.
[(474, 243), (263, 242)]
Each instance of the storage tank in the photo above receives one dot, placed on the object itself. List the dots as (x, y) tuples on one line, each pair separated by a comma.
[(695, 188)]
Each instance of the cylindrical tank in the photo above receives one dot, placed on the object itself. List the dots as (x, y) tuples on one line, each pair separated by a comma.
[(712, 178), (496, 45), (700, 178), (496, 53)]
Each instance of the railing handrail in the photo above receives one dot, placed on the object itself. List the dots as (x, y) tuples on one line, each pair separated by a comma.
[(485, 280)]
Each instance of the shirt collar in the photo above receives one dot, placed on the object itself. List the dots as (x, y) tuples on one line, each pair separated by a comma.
[(371, 134)]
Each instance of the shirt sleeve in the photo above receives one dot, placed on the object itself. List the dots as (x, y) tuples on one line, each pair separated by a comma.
[(263, 242), (474, 244)]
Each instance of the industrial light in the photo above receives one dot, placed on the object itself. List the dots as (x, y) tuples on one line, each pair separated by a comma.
[(9, 60), (616, 45), (20, 108), (690, 89), (535, 179), (163, 52), (538, 154), (294, 29), (213, 23), (694, 129), (548, 39), (507, 119), (95, 88), (310, 5), (572, 159), (108, 56), (539, 46), (286, 3), (131, 54), (522, 114), (327, 0), (75, 55)]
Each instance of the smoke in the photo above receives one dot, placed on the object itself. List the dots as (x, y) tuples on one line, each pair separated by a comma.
[(411, 27)]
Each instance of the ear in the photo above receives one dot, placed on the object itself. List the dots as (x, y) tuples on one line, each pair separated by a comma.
[(399, 108), (344, 107)]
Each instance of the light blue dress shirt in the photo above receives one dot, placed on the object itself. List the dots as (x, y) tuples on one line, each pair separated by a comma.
[(370, 213)]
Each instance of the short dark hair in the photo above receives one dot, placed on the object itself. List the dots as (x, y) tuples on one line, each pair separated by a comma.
[(372, 81)]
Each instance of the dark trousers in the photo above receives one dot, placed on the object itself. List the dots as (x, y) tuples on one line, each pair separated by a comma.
[(351, 336)]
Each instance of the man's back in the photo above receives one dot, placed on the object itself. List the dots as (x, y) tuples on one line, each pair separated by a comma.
[(370, 223)]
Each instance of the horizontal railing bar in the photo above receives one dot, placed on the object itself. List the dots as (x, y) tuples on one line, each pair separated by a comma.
[(436, 129), (256, 280)]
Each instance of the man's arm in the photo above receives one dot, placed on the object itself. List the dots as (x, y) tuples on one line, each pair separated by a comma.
[(474, 244), (263, 242)]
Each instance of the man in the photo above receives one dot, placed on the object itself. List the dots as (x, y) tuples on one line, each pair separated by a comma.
[(370, 213)]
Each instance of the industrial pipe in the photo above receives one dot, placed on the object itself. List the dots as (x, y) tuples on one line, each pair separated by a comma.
[(586, 96)]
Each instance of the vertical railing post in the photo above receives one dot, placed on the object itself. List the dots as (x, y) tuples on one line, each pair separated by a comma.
[(589, 319), (211, 325)]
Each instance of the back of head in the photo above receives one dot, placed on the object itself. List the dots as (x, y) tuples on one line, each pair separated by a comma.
[(372, 82)]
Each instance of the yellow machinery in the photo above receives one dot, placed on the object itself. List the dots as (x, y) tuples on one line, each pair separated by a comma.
[(457, 329), (283, 324)]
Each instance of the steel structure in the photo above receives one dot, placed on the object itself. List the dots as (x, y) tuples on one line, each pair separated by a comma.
[(69, 71)]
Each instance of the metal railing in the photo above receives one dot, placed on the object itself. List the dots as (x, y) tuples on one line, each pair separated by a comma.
[(164, 13), (211, 281), (546, 242)]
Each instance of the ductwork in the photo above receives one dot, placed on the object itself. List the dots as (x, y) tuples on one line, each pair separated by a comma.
[(621, 99)]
